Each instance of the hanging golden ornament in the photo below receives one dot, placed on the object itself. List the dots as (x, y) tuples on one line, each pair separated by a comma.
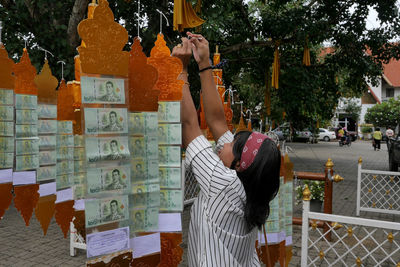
[(249, 126), (185, 16), (6, 69), (44, 211), (25, 73), (216, 57), (64, 212), (77, 63), (168, 69), (142, 79), (46, 84), (267, 98), (65, 101), (242, 126), (276, 67), (104, 40), (228, 114), (26, 198), (306, 55)]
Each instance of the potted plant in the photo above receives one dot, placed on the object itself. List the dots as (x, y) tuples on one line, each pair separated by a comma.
[(317, 189), (366, 130)]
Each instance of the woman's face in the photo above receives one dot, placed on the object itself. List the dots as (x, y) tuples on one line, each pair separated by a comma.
[(226, 154)]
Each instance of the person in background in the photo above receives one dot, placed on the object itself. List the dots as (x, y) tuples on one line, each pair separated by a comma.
[(389, 133), (237, 182), (377, 136)]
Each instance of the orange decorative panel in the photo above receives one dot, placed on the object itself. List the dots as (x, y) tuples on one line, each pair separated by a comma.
[(274, 253), (46, 84), (64, 214), (104, 40), (25, 73), (44, 211), (249, 126), (65, 101), (120, 259), (77, 62), (171, 252), (147, 261), (216, 58), (26, 198), (168, 69), (142, 79), (6, 66), (241, 126), (221, 91), (5, 198), (217, 73)]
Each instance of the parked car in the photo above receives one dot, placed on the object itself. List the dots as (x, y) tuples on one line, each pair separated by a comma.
[(326, 135), (283, 132), (305, 136)]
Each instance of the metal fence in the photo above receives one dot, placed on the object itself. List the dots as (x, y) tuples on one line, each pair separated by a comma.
[(191, 188), (378, 191), (354, 241)]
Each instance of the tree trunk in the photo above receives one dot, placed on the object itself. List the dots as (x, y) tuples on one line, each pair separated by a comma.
[(78, 13)]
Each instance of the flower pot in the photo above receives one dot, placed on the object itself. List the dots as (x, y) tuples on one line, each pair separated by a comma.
[(316, 205)]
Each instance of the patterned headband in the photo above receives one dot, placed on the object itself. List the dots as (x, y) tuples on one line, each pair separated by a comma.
[(250, 149)]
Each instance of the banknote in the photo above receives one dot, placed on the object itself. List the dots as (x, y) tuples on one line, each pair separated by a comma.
[(145, 147), (64, 127), (6, 113), (47, 157), (26, 116), (170, 134), (80, 178), (79, 166), (47, 111), (79, 191), (65, 153), (144, 220), (170, 178), (65, 140), (65, 167), (25, 101), (6, 97), (6, 160), (6, 128), (45, 173), (107, 148), (102, 90), (47, 142), (143, 123), (79, 141), (272, 226), (108, 180), (106, 120), (26, 130), (169, 156), (26, 146), (47, 127), (6, 144), (145, 195), (64, 181), (171, 200), (26, 162), (169, 111), (144, 171), (106, 210), (79, 153)]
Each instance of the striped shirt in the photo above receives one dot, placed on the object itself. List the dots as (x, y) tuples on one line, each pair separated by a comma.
[(218, 232)]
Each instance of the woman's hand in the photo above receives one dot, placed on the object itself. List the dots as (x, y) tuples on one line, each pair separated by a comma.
[(201, 51), (183, 51)]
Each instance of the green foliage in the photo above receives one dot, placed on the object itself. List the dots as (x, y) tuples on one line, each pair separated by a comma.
[(366, 129), (246, 34), (386, 114), (353, 109), (317, 189)]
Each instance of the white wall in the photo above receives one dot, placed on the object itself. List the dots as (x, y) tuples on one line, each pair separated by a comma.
[(377, 89), (364, 109)]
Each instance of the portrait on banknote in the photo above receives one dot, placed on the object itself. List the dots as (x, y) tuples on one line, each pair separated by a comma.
[(139, 220), (116, 180), (102, 90), (114, 213), (112, 152)]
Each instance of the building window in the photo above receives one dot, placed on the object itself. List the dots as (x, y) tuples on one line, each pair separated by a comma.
[(389, 92)]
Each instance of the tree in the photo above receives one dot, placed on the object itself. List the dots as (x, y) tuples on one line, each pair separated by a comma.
[(386, 114), (246, 33)]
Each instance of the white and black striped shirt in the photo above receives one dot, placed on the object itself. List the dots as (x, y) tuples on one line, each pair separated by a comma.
[(218, 233)]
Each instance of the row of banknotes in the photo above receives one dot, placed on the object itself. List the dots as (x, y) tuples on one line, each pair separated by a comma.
[(119, 208), (6, 128), (43, 127), (24, 102)]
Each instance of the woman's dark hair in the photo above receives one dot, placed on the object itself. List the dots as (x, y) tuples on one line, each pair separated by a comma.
[(260, 180)]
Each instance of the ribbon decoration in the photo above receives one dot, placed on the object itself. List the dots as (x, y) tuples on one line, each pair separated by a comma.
[(276, 67), (185, 16)]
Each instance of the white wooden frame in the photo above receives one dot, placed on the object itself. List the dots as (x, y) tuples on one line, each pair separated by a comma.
[(383, 179), (76, 241)]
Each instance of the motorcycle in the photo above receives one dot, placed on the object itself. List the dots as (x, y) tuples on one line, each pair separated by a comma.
[(345, 141)]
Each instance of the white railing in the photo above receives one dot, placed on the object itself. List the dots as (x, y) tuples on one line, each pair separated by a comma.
[(378, 191), (353, 241), (191, 187), (76, 241)]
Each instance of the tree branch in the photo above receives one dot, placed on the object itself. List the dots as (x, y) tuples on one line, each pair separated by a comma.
[(77, 14), (6, 3)]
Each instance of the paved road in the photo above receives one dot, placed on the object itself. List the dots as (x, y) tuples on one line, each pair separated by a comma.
[(26, 246)]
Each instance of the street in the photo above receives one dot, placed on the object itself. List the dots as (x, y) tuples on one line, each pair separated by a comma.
[(26, 246)]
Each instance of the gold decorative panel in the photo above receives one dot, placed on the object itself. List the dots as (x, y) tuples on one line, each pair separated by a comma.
[(120, 259), (46, 84), (6, 65), (64, 213), (171, 252), (25, 73), (26, 198), (169, 69), (65, 101), (142, 79), (5, 198), (104, 40), (44, 211)]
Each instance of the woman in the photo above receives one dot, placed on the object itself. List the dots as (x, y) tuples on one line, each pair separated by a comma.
[(236, 184), (377, 136)]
